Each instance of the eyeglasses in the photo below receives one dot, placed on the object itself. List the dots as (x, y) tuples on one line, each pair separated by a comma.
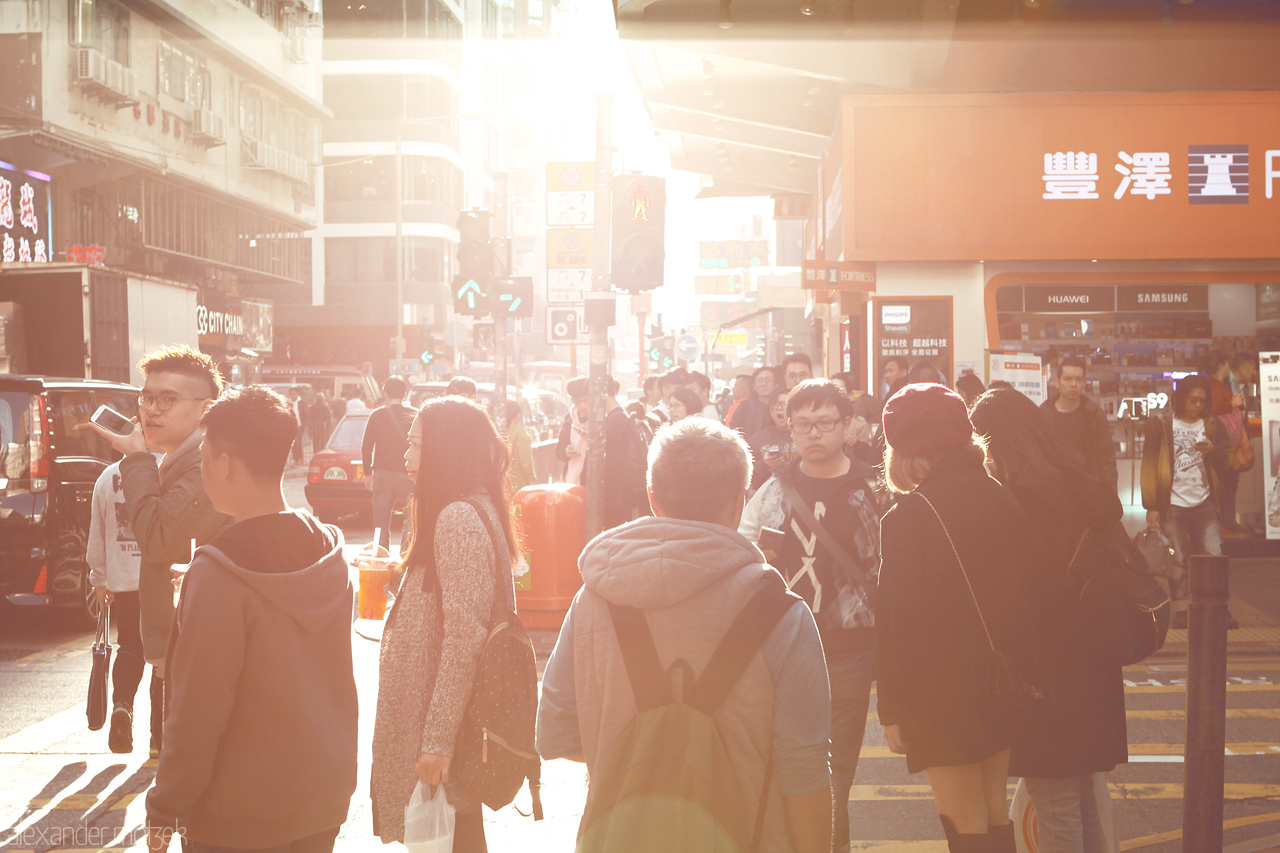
[(804, 427), (164, 402)]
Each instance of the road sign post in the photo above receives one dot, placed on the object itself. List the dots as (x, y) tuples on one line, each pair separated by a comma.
[(599, 350)]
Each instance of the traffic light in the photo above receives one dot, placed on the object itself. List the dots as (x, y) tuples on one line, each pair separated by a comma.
[(475, 264), (639, 220), (513, 298), (662, 352), (470, 299)]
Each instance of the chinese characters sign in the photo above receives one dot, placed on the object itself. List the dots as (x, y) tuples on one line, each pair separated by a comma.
[(24, 215), (911, 333), (1061, 176), (1269, 388)]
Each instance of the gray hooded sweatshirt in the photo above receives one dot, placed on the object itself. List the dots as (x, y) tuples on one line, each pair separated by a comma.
[(691, 579), (260, 701)]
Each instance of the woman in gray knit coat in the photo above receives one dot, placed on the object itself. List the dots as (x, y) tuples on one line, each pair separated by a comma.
[(432, 639)]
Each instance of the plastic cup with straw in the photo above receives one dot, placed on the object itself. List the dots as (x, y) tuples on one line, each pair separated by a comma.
[(374, 577)]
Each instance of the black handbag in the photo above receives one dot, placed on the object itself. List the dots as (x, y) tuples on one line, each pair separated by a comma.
[(1013, 681), (96, 708)]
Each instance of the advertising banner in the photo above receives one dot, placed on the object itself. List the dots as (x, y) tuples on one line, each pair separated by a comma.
[(911, 333), (1023, 370), (1269, 387)]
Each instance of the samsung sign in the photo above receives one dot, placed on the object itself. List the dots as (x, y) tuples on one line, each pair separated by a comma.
[(1181, 297)]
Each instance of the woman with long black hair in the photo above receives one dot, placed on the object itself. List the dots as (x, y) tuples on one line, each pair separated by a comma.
[(1060, 746), (456, 576), (956, 595)]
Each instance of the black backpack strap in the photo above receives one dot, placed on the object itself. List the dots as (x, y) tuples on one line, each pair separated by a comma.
[(649, 684), (741, 643), (851, 566)]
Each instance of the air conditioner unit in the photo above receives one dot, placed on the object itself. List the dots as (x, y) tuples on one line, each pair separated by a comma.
[(114, 72), (90, 67), (128, 94), (208, 128), (312, 19)]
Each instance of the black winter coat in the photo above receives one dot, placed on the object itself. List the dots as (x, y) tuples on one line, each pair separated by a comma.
[(1083, 731), (932, 657)]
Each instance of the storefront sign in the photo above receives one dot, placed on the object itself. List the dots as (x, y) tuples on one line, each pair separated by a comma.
[(838, 275), (1023, 370), (218, 319), (1269, 384), (911, 332), (1163, 297), (733, 254), (24, 215), (1061, 176), (258, 322), (1069, 299)]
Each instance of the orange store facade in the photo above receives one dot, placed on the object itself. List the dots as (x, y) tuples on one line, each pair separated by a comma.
[(1137, 230)]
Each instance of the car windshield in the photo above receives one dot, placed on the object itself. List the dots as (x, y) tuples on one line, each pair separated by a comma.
[(15, 433), (348, 434)]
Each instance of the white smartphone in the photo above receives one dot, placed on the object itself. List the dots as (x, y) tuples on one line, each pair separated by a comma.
[(112, 421)]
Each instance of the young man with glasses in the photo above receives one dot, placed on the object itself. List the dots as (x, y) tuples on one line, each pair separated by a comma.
[(824, 503), (166, 501)]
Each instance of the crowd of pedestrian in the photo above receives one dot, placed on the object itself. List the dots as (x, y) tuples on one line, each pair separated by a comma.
[(767, 556)]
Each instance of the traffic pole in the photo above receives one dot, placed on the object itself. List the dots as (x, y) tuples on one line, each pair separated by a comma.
[(599, 326), (1202, 791), (499, 309)]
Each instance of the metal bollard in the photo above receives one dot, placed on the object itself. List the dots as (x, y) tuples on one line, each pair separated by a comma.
[(1202, 790)]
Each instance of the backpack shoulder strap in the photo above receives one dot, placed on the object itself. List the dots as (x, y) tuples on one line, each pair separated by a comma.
[(741, 643), (649, 683), (837, 551)]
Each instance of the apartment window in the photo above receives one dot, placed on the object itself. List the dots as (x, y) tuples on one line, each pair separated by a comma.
[(425, 259), (370, 179), (100, 25), (184, 76), (431, 179), (489, 18), (359, 260), (264, 118)]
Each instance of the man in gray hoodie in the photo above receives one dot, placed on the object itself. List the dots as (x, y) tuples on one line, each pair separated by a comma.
[(260, 708), (690, 574)]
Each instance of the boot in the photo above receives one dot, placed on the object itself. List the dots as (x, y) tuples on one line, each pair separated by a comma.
[(1001, 839), (965, 843)]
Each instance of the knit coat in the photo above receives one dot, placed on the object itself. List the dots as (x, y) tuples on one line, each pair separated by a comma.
[(430, 651), (932, 656)]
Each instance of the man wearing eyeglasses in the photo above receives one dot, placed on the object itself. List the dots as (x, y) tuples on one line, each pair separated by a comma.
[(166, 501), (824, 505)]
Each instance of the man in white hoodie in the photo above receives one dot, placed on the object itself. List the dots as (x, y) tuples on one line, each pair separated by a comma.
[(686, 575)]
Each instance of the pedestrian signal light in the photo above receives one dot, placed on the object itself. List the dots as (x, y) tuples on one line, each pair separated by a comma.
[(638, 251)]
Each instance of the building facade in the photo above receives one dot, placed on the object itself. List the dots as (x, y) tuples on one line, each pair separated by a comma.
[(172, 142)]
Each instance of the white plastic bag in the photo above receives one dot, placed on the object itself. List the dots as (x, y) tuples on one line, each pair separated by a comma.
[(428, 821), (1026, 829)]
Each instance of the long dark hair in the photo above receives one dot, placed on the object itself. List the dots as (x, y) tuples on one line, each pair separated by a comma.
[(1018, 434), (461, 453), (1185, 386)]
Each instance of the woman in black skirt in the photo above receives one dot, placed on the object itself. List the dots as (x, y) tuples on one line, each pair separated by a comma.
[(958, 576)]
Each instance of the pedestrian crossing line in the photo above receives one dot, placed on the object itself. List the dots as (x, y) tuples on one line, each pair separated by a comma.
[(1119, 790), (1259, 666), (37, 737), (893, 846), (1174, 835), (1136, 750), (71, 648), (1182, 688), (1175, 714)]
